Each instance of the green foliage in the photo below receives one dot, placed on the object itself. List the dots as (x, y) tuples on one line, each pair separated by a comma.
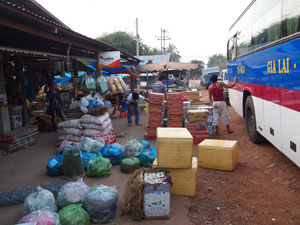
[(126, 42), (175, 57), (197, 73), (217, 60)]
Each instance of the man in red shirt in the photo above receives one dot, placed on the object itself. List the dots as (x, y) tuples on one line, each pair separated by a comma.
[(216, 98)]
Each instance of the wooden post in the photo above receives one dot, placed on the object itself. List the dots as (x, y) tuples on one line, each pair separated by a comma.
[(147, 84), (19, 63), (4, 115), (98, 68)]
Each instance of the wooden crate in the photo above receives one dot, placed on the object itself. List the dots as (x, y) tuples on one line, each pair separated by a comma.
[(174, 148), (218, 154), (184, 180)]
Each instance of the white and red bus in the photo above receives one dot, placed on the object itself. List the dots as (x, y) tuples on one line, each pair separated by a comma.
[(264, 53)]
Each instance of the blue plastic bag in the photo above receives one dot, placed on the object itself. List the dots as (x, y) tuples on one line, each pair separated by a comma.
[(144, 142), (55, 167), (99, 154), (86, 158), (147, 156), (107, 103), (113, 153), (92, 104)]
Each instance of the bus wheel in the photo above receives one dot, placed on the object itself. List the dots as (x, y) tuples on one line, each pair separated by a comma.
[(251, 122)]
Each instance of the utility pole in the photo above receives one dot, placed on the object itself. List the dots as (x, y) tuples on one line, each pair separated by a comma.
[(163, 39), (137, 38)]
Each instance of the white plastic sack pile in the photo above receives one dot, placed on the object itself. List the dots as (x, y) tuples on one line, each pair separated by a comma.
[(38, 200), (71, 130), (96, 125)]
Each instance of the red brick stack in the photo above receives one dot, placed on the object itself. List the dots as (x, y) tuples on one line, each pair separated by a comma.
[(175, 110), (156, 102)]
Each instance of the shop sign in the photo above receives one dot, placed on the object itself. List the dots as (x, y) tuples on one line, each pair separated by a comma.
[(109, 59)]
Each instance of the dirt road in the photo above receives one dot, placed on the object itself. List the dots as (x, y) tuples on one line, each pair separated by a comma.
[(263, 189)]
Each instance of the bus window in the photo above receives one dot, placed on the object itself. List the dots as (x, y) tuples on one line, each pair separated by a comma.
[(229, 49), (266, 23), (290, 17), (234, 47)]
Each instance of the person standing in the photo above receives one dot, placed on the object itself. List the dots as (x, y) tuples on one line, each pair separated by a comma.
[(55, 105), (216, 98), (133, 108), (159, 86)]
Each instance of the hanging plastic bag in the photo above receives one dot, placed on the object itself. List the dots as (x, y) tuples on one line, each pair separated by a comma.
[(132, 148), (72, 162), (99, 167), (41, 217), (101, 203), (71, 193), (102, 86), (89, 145), (40, 199), (144, 142), (86, 157), (129, 165), (122, 82), (74, 215), (113, 153), (148, 156), (55, 167)]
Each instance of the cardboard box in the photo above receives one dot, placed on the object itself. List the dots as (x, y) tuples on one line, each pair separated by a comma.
[(156, 98), (16, 121), (184, 180), (197, 115), (218, 154), (196, 125), (192, 95), (174, 148)]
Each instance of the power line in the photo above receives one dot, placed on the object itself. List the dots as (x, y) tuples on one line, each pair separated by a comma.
[(163, 38)]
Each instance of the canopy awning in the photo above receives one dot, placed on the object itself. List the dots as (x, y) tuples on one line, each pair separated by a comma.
[(164, 66)]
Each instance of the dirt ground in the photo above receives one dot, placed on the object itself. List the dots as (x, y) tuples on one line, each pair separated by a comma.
[(263, 189)]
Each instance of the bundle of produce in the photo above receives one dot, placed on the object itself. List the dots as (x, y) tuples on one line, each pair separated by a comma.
[(144, 142), (132, 148), (113, 153), (102, 86), (86, 157), (148, 156), (129, 165), (117, 84), (41, 217), (90, 145), (74, 215), (72, 162), (122, 82), (62, 145), (38, 200), (99, 167), (87, 83), (111, 85), (101, 203), (55, 167), (71, 193)]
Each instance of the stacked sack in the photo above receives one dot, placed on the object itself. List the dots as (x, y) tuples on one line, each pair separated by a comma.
[(175, 154), (175, 110), (95, 125), (156, 102), (71, 130), (196, 123)]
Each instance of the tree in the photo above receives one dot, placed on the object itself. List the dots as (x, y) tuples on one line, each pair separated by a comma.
[(175, 57), (197, 73), (217, 60), (126, 42)]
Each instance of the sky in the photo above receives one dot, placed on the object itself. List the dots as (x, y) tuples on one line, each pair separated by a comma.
[(198, 28)]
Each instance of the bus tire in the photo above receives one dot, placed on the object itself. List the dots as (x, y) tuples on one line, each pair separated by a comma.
[(254, 135)]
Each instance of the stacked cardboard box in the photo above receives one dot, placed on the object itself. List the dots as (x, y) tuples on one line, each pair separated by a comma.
[(156, 101), (175, 153), (209, 123), (197, 125), (218, 154), (192, 95), (175, 110)]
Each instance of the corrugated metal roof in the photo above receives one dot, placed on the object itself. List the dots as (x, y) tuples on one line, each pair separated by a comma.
[(29, 52), (155, 58), (163, 66)]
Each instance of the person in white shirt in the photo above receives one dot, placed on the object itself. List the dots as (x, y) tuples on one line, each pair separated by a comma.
[(133, 108)]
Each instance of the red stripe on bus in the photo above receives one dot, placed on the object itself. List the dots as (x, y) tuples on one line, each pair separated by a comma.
[(284, 97)]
